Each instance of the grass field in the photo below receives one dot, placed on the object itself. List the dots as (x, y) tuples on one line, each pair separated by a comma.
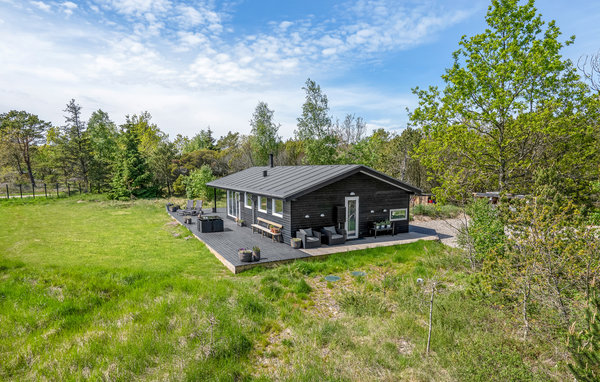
[(95, 289)]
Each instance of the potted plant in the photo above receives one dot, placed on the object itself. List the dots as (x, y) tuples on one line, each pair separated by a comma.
[(296, 242), (388, 224), (245, 255), (255, 253)]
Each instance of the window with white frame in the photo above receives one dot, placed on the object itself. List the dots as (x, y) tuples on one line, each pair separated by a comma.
[(398, 214), (248, 200), (262, 204), (277, 207), (229, 203)]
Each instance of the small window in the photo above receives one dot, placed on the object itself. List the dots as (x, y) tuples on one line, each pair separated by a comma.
[(398, 214), (262, 204), (248, 200), (277, 207)]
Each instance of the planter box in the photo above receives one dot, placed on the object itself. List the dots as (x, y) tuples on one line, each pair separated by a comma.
[(245, 256), (255, 255), (210, 224)]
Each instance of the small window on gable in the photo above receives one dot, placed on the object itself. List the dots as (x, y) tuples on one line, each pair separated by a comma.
[(262, 204), (277, 207)]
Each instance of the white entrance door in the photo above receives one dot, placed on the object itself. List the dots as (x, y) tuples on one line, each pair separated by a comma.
[(352, 217)]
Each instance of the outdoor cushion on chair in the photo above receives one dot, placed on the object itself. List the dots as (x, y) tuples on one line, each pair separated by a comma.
[(332, 235), (310, 238)]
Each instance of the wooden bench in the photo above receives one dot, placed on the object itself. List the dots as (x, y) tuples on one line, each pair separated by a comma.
[(266, 230)]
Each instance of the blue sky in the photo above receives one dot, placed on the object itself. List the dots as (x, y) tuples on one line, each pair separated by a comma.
[(194, 64)]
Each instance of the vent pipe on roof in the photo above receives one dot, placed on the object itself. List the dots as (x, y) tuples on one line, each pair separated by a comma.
[(264, 173), (271, 160)]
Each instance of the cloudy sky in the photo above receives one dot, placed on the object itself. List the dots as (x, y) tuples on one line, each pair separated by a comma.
[(194, 64)]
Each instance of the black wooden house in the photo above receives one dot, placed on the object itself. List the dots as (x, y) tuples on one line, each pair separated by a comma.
[(347, 196)]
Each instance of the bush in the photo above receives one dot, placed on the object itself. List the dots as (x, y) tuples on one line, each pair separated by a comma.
[(437, 211), (195, 184)]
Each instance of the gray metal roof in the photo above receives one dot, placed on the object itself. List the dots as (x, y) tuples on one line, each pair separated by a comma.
[(286, 182)]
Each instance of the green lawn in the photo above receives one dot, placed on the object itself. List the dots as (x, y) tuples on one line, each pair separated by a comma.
[(113, 290)]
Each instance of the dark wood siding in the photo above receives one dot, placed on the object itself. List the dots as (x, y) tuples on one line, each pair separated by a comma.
[(374, 195), (249, 215)]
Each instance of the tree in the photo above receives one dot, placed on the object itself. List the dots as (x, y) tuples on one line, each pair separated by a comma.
[(264, 137), (204, 140), (589, 65), (148, 133), (21, 132), (195, 184), (131, 177), (315, 127), (102, 134), (161, 163), (499, 109), (77, 143)]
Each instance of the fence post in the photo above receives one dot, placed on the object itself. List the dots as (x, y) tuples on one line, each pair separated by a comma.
[(21, 190), (79, 187), (57, 196), (68, 189), (45, 191), (7, 194)]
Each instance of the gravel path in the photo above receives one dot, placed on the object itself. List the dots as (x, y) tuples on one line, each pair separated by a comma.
[(446, 229)]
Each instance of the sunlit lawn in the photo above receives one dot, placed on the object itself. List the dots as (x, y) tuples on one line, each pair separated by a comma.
[(113, 290)]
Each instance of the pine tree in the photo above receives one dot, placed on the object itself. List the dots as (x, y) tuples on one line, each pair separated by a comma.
[(131, 178)]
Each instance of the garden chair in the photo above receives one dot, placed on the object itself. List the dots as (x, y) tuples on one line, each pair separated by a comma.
[(189, 209), (332, 235), (311, 238)]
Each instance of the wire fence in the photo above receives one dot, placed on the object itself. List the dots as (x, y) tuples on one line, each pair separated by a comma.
[(43, 190)]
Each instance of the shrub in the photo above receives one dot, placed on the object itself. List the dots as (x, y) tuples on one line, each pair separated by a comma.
[(437, 211), (195, 183)]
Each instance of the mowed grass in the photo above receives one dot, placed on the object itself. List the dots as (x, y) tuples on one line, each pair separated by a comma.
[(102, 290)]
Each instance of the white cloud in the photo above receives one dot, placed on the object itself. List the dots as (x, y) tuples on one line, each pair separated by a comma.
[(41, 5), (182, 62)]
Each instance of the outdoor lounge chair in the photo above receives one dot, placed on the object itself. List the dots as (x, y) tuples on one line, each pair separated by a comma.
[(332, 235), (311, 238), (199, 207), (189, 209)]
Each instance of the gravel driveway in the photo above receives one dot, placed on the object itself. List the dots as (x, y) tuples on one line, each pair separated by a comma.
[(447, 229)]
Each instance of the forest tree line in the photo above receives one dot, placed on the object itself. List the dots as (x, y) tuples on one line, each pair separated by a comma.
[(138, 159)]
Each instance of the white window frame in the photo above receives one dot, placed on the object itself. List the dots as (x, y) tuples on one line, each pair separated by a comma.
[(259, 200), (273, 208), (246, 194), (229, 203), (399, 209)]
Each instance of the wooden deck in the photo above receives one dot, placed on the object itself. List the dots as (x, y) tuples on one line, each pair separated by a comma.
[(224, 245)]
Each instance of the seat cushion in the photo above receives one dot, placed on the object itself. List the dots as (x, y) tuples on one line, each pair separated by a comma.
[(337, 236), (330, 229), (312, 238)]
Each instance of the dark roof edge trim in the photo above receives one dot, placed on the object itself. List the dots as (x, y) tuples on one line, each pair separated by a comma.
[(390, 180), (365, 170)]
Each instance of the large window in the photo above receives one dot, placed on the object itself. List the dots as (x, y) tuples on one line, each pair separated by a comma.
[(398, 214), (262, 204), (248, 200), (233, 203), (277, 207)]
